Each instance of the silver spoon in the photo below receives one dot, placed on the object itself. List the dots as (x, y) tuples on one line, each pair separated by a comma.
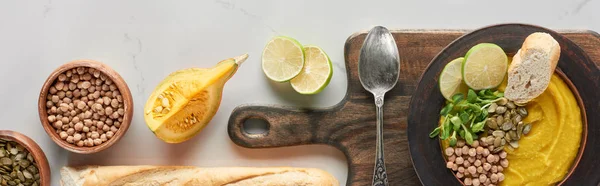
[(378, 67)]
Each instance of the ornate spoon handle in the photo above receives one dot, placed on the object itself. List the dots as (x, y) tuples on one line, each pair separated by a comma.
[(379, 174)]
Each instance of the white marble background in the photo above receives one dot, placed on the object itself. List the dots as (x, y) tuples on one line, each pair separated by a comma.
[(146, 40)]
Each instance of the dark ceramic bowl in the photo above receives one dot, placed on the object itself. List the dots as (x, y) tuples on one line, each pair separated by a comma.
[(574, 67)]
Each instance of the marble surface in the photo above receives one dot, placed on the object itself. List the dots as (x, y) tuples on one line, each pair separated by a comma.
[(146, 40)]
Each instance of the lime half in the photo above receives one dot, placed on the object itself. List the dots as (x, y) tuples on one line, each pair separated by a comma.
[(316, 73), (451, 81), (484, 66), (282, 59)]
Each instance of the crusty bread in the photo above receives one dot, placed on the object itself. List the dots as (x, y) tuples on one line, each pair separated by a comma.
[(186, 175), (531, 68)]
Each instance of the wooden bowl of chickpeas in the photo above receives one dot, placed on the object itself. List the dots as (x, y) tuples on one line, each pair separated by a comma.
[(85, 106)]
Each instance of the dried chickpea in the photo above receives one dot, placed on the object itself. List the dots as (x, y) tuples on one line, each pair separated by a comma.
[(476, 182), (500, 177), (461, 169), (503, 154), (477, 163), (459, 174), (114, 130), (504, 163), (449, 164), (109, 134), (58, 124), (63, 135), (70, 131), (103, 138), (70, 139), (77, 137), (450, 158), (459, 160), (494, 178), (467, 163), (487, 166), (468, 181), (472, 169)]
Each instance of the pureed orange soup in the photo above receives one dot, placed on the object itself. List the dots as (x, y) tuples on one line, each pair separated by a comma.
[(546, 154)]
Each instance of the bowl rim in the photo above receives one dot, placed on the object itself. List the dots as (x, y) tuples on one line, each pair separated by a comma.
[(563, 76), (111, 74), (33, 148)]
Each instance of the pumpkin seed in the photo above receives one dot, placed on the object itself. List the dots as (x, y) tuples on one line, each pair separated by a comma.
[(2, 152), (6, 161), (14, 151), (492, 108), (497, 149), (30, 157), (27, 174), (500, 119), (503, 142), (20, 176), (498, 133), (513, 135), (6, 177), (502, 101), (24, 163), (500, 109), (511, 105), (522, 111), (36, 176), (526, 128), (490, 140), (491, 123), (514, 144), (12, 183), (507, 137), (517, 118), (19, 157), (507, 126), (507, 116), (32, 169), (34, 184), (497, 141)]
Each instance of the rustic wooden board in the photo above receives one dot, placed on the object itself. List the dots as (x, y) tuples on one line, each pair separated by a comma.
[(350, 125)]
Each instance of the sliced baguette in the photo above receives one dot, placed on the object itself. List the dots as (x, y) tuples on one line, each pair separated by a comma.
[(187, 175), (531, 68)]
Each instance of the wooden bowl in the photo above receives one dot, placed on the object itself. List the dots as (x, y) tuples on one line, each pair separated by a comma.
[(110, 73), (574, 67), (33, 148)]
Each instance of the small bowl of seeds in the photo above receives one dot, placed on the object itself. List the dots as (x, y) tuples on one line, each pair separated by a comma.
[(22, 161), (85, 106)]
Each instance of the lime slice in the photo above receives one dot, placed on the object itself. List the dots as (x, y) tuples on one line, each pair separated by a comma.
[(451, 81), (484, 66), (316, 73), (282, 59)]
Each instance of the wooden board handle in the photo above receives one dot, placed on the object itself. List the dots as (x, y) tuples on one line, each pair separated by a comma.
[(285, 126)]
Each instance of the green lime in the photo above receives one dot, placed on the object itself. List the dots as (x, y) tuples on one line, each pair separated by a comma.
[(484, 66), (282, 59), (316, 73), (451, 81)]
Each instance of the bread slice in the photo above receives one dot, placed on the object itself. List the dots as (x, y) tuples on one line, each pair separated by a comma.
[(188, 175), (531, 68)]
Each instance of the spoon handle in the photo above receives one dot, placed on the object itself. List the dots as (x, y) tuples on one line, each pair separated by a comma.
[(379, 174)]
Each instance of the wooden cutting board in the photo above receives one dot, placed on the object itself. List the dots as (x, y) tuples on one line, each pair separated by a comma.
[(350, 125)]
